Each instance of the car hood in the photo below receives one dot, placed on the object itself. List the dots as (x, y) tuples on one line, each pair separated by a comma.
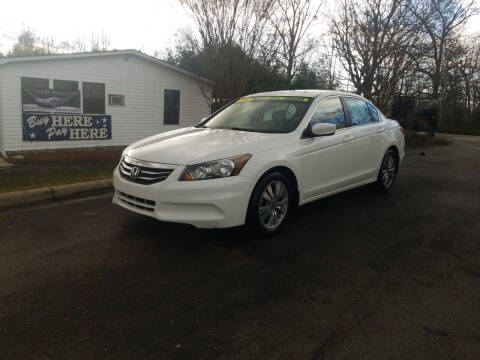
[(194, 145)]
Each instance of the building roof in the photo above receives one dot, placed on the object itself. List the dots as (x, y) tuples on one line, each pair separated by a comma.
[(19, 59)]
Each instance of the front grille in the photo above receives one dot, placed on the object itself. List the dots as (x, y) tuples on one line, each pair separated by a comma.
[(134, 201), (143, 172)]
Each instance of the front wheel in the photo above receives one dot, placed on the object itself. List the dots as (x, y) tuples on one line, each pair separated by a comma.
[(388, 171), (270, 203)]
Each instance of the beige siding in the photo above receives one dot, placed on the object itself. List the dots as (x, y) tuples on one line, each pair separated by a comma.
[(141, 81)]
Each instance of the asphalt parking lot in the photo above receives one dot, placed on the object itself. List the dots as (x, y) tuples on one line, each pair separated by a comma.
[(359, 275)]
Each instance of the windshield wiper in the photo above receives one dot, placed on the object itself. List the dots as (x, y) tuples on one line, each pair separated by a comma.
[(267, 131), (244, 129)]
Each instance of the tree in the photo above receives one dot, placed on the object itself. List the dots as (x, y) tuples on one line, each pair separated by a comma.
[(230, 22), (328, 60), (305, 78), (439, 20), (99, 42), (28, 44), (460, 75), (78, 45), (228, 45), (315, 76), (470, 69), (48, 45), (375, 40), (231, 70), (291, 21)]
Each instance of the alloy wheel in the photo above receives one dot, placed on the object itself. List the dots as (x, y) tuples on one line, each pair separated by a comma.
[(273, 204), (388, 171)]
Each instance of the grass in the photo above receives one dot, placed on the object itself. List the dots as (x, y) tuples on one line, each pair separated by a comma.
[(415, 139), (41, 174)]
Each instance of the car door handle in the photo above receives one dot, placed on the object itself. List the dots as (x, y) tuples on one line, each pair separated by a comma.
[(380, 129), (347, 137)]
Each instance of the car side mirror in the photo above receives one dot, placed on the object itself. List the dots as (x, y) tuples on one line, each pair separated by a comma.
[(323, 129)]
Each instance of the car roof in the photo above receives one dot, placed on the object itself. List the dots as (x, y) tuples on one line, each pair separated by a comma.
[(306, 93)]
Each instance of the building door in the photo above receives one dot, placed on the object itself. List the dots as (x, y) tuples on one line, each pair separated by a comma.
[(93, 98), (171, 110)]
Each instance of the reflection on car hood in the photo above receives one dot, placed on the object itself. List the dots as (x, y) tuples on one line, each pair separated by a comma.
[(193, 145)]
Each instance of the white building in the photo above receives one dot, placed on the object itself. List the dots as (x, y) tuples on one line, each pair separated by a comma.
[(112, 98)]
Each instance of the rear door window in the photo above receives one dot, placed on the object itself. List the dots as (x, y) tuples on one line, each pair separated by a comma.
[(373, 112), (359, 111)]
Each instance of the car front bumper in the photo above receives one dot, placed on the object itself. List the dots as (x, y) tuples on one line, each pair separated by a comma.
[(215, 203)]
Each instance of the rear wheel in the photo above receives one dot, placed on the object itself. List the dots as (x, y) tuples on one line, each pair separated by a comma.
[(270, 203), (388, 171)]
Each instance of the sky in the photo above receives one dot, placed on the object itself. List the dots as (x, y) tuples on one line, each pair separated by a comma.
[(146, 25)]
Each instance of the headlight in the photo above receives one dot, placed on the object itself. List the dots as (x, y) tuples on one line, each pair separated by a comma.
[(215, 169)]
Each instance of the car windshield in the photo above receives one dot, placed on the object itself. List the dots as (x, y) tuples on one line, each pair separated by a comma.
[(269, 114)]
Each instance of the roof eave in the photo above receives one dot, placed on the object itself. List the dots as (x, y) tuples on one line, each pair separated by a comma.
[(10, 60)]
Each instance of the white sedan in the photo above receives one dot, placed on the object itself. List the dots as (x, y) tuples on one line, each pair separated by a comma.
[(258, 158)]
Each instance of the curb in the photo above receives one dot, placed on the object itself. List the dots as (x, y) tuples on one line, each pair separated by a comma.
[(25, 198)]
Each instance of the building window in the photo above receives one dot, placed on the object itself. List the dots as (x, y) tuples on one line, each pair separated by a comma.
[(30, 88), (68, 88), (114, 99), (93, 98), (171, 107), (34, 83), (65, 85)]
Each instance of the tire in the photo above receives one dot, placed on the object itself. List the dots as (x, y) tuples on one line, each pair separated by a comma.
[(267, 214), (388, 171)]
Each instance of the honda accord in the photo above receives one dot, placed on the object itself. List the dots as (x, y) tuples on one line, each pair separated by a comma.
[(258, 158)]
